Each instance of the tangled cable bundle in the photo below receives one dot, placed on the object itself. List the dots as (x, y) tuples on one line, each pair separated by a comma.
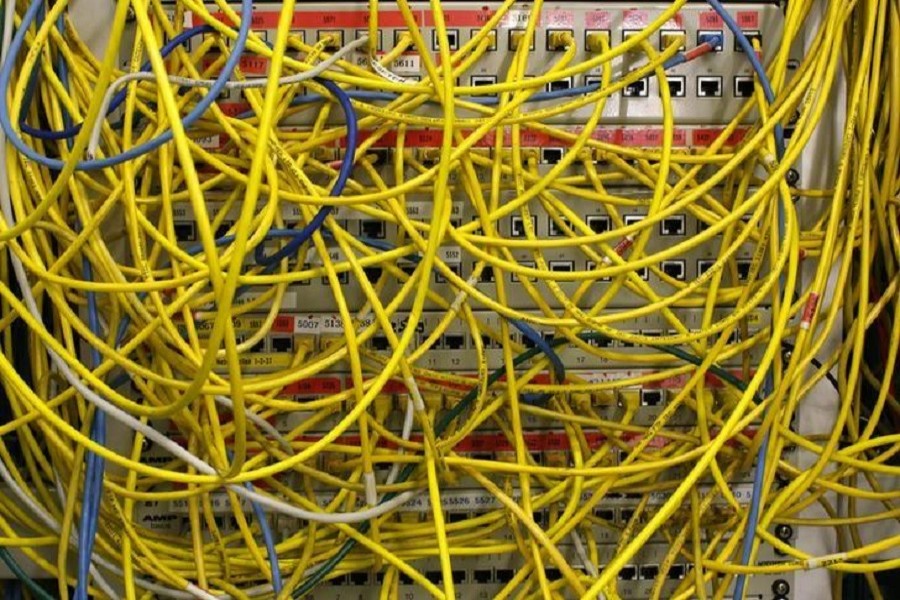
[(165, 246)]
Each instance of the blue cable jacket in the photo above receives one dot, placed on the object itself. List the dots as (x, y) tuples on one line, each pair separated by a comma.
[(740, 583), (268, 537), (268, 540), (758, 68), (559, 370), (303, 235), (199, 109), (72, 130), (95, 464)]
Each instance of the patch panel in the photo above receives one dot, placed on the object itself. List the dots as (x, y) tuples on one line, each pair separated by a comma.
[(318, 330), (590, 27), (471, 571)]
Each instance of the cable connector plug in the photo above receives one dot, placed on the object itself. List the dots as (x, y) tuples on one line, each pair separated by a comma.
[(711, 44)]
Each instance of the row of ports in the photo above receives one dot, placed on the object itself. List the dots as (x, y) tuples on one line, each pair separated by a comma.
[(498, 575), (186, 231), (278, 344), (559, 227), (462, 341), (705, 86), (555, 40), (675, 269), (614, 516), (674, 225)]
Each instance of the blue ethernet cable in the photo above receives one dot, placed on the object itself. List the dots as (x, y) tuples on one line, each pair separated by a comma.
[(269, 541), (71, 131), (757, 66), (101, 163), (559, 370), (95, 465), (761, 457), (303, 235), (268, 538)]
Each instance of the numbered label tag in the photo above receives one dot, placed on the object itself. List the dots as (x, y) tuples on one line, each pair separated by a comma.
[(451, 255)]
